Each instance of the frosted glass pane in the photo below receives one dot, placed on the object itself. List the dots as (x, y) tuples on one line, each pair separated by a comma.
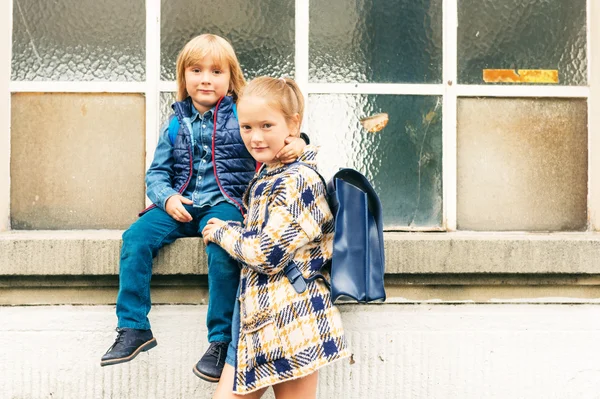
[(261, 32), (79, 40), (522, 164), (370, 41), (522, 34), (166, 99), (77, 160), (403, 161)]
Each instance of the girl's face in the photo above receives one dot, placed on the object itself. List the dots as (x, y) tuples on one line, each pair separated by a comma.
[(263, 128), (206, 83)]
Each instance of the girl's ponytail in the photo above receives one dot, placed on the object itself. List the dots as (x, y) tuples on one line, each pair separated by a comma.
[(299, 98)]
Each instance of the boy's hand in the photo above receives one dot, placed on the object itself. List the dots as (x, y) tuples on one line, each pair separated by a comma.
[(211, 226), (292, 150), (175, 209)]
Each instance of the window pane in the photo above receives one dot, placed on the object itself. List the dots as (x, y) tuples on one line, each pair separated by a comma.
[(376, 41), (166, 99), (79, 40), (518, 34), (77, 160), (522, 164), (403, 161), (261, 32)]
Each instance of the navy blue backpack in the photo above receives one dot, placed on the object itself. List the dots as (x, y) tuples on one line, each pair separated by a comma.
[(358, 262)]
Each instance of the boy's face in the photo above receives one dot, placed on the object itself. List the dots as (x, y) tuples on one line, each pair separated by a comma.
[(263, 128), (205, 82)]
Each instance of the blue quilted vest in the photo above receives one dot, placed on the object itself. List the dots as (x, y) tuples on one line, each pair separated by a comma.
[(233, 165)]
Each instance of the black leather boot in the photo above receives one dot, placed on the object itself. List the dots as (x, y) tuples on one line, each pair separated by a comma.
[(128, 344), (210, 366)]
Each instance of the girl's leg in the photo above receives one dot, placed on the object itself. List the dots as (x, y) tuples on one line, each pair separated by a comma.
[(224, 389), (302, 388)]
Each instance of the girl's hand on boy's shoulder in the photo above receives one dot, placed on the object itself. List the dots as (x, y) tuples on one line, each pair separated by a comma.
[(174, 207), (209, 230), (292, 150)]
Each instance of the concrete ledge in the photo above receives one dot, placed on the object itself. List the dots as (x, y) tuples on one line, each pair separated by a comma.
[(96, 252), (471, 252), (87, 253)]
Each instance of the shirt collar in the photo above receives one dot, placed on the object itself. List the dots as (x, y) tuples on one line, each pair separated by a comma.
[(206, 116)]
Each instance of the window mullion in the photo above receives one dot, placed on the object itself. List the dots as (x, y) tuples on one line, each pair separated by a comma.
[(449, 110), (301, 55), (593, 43), (152, 78), (5, 48), (377, 88)]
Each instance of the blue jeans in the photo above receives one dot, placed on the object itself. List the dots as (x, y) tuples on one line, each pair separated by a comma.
[(141, 243), (235, 333)]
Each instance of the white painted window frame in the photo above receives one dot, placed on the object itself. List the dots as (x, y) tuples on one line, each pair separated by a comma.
[(450, 91), (5, 65)]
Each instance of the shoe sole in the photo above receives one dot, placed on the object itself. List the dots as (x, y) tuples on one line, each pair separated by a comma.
[(204, 376), (143, 348)]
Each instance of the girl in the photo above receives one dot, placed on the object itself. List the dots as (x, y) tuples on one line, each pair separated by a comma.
[(198, 173), (284, 336)]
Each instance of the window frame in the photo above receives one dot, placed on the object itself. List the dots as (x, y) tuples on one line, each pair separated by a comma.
[(450, 91)]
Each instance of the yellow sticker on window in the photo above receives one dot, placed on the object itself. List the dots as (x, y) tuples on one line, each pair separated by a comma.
[(520, 76)]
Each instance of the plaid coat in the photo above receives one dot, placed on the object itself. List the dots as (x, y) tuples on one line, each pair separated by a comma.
[(283, 335)]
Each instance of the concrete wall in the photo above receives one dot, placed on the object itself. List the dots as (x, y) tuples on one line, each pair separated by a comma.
[(399, 351), (77, 160), (522, 164)]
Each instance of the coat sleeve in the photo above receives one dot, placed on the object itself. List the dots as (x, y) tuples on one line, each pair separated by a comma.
[(297, 208)]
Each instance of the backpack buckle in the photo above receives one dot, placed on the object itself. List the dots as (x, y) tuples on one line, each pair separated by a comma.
[(295, 277)]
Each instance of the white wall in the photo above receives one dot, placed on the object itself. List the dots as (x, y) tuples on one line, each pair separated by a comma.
[(400, 351)]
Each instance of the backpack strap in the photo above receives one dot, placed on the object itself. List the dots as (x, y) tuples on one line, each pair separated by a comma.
[(173, 129), (291, 271), (320, 175), (295, 277)]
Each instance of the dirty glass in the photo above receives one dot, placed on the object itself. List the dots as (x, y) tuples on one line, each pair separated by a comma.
[(403, 160), (522, 164), (261, 32), (84, 174), (376, 41), (83, 40), (521, 35)]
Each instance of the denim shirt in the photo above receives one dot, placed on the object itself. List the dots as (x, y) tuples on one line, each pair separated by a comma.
[(203, 189)]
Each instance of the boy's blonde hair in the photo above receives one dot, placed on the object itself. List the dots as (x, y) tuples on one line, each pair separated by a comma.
[(222, 54), (281, 93)]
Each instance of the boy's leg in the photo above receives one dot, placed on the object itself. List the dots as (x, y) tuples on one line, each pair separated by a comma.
[(223, 281), (141, 243)]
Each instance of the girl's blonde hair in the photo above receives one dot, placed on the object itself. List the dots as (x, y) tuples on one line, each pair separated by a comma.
[(222, 54), (281, 93)]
